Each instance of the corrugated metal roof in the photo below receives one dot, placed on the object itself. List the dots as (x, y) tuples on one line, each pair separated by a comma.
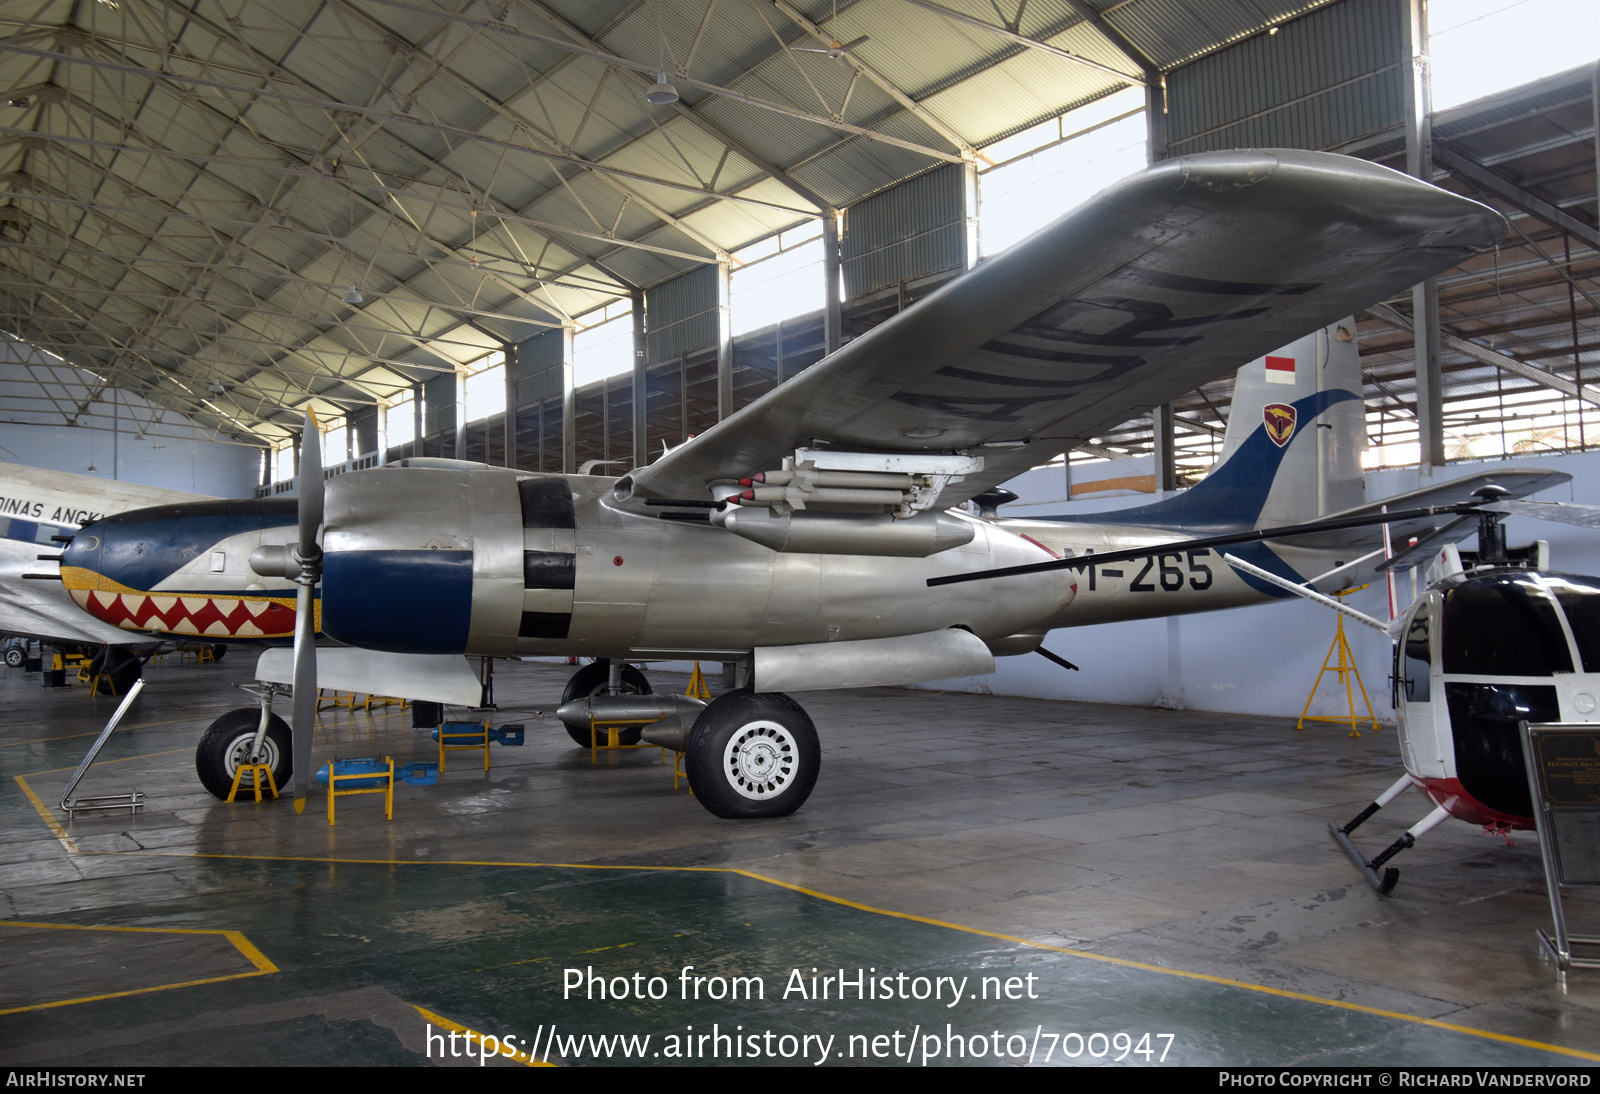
[(216, 183)]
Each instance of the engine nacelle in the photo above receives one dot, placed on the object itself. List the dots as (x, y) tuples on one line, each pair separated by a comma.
[(440, 560)]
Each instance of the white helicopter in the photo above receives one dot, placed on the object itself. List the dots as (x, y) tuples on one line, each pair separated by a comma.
[(1495, 639)]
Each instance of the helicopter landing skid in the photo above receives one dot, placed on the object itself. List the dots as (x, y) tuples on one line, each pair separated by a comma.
[(1381, 885), (1384, 883)]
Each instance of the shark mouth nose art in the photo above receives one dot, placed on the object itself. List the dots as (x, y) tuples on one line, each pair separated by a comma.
[(213, 616)]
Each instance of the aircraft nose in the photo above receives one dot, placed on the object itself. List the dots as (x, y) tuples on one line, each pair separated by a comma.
[(84, 550)]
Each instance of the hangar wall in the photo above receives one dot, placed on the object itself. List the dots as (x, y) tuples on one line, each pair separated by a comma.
[(115, 435), (1257, 660), (1324, 80)]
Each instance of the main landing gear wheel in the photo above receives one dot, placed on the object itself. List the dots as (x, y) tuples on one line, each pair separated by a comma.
[(753, 755), (591, 680), (227, 743), (15, 656)]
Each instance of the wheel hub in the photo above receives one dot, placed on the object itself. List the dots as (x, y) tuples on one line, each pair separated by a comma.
[(239, 753), (760, 760)]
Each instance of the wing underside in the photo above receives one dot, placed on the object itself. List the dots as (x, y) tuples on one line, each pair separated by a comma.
[(42, 610), (1163, 282)]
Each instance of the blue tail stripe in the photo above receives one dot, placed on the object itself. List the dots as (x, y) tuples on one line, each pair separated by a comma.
[(1233, 495), (1259, 554)]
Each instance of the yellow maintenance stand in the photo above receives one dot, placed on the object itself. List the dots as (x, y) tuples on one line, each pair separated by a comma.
[(1343, 662)]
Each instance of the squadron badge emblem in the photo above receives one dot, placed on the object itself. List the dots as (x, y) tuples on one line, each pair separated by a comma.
[(1279, 418)]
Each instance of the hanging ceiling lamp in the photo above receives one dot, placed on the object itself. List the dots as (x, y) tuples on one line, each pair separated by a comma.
[(661, 93)]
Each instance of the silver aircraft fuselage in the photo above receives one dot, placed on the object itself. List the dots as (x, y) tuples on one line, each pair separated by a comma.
[(593, 579), (492, 562), (1161, 584)]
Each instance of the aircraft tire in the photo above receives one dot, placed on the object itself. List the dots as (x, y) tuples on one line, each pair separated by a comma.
[(224, 745), (15, 656), (589, 680), (218, 652), (753, 755)]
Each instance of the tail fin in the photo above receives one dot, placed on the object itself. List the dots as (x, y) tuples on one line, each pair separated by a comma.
[(1293, 445)]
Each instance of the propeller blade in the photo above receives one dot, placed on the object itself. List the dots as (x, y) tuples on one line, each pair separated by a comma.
[(311, 486), (308, 556), (305, 691)]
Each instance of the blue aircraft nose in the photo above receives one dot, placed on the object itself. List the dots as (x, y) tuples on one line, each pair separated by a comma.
[(140, 548), (121, 569)]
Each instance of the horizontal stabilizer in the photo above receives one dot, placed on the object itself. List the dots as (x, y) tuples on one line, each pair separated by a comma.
[(428, 677), (1518, 483)]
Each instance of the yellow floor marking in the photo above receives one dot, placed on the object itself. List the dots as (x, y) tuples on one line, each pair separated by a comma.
[(473, 1035), (245, 947), (49, 818), (102, 763), (95, 732), (1245, 985)]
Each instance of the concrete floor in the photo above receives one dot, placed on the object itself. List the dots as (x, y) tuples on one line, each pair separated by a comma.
[(1152, 872)]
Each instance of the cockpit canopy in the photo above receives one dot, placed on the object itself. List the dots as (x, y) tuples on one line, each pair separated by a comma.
[(1497, 630), (1509, 623)]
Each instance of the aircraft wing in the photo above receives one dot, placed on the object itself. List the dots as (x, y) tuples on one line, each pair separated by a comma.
[(42, 609), (1163, 282)]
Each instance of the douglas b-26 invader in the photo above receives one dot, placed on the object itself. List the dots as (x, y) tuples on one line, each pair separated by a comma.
[(799, 535)]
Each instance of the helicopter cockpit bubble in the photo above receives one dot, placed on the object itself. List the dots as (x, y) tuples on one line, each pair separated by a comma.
[(1477, 654), (1501, 648)]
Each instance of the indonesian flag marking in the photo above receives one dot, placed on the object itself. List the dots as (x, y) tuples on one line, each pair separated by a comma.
[(1280, 370)]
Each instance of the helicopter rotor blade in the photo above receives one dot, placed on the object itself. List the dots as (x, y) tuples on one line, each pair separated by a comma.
[(1287, 531), (1417, 553), (1584, 516)]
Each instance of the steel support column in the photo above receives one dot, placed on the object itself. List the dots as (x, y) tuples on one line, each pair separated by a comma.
[(724, 341), (569, 403), (833, 307), (1155, 119), (416, 417), (513, 369), (970, 197), (461, 414), (381, 434), (641, 442), (1166, 464), (1424, 297)]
